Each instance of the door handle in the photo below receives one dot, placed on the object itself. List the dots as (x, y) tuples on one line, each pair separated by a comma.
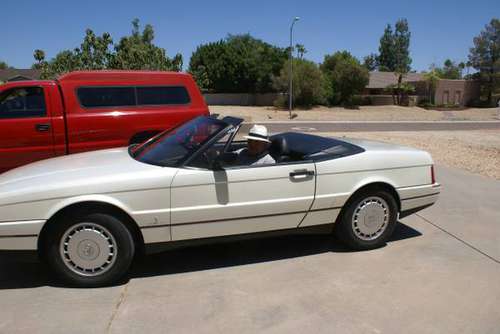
[(301, 173), (42, 127)]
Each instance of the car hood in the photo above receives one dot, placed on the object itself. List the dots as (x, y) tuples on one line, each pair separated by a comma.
[(112, 170)]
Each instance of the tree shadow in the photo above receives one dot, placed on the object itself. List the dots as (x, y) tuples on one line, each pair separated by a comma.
[(20, 270)]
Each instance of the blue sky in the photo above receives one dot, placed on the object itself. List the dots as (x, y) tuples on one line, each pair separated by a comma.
[(440, 29)]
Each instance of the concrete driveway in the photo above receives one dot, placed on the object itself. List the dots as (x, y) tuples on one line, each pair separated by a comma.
[(440, 273)]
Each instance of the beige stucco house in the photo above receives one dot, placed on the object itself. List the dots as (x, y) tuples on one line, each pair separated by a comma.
[(447, 92)]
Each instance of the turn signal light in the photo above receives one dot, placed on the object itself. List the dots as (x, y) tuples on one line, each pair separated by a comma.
[(433, 175)]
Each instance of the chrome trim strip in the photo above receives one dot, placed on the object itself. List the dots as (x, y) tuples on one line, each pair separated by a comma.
[(19, 236), (422, 196), (238, 218)]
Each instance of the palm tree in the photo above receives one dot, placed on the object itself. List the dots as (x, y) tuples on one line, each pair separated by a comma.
[(301, 50)]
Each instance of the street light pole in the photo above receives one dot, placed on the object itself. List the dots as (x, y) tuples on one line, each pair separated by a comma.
[(290, 88)]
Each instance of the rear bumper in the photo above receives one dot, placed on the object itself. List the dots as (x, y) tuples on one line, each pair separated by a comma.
[(417, 198), (20, 235)]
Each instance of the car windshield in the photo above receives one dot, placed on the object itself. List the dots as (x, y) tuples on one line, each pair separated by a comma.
[(171, 147)]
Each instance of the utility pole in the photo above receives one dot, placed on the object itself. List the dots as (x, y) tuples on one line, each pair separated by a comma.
[(290, 88)]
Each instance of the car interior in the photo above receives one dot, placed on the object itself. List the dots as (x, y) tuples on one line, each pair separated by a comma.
[(287, 147)]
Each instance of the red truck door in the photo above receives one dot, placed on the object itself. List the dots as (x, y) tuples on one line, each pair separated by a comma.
[(26, 131)]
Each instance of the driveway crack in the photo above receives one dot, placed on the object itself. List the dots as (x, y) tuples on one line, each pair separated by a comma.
[(459, 239), (120, 301)]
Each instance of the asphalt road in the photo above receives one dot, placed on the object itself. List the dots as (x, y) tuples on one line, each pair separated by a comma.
[(353, 126), (440, 273)]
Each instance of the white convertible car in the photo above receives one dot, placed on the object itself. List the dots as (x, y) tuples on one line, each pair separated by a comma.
[(88, 214)]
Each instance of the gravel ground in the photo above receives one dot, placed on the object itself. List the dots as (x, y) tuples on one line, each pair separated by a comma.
[(475, 151), (365, 113)]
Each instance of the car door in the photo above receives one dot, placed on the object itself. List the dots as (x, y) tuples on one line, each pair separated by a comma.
[(25, 127), (237, 200)]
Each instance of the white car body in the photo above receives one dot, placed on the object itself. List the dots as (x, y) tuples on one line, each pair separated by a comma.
[(172, 204)]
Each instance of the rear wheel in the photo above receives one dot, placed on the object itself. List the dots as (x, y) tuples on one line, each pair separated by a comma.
[(91, 250), (368, 220)]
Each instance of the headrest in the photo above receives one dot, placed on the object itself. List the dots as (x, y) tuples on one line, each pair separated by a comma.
[(279, 146)]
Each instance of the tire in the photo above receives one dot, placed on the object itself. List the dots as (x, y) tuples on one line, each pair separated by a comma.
[(75, 250), (368, 220)]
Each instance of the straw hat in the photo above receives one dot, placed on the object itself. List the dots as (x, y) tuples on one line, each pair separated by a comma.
[(259, 133)]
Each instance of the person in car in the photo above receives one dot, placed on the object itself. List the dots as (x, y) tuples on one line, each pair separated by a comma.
[(257, 150)]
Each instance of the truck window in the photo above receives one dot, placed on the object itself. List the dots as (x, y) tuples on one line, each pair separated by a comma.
[(22, 102), (94, 97), (91, 97), (162, 95)]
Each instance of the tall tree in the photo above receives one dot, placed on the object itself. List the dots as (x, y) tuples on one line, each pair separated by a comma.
[(135, 52), (346, 75), (3, 65), (395, 54), (371, 62), (402, 47), (95, 51), (485, 57), (394, 49), (237, 64), (138, 52), (386, 57)]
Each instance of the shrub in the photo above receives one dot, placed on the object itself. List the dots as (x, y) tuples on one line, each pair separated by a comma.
[(237, 64), (425, 103), (480, 103), (355, 101), (346, 75), (309, 85)]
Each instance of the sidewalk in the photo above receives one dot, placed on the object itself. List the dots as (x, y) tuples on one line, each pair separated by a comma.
[(365, 113)]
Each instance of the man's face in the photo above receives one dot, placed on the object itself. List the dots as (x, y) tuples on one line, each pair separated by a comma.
[(256, 147)]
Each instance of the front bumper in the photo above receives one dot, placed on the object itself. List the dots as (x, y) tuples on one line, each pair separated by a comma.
[(418, 197), (20, 235)]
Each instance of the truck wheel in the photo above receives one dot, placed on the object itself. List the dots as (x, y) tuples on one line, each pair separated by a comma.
[(90, 251), (368, 220)]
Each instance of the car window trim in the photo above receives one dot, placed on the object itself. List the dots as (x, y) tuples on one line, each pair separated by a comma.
[(277, 164), (283, 163)]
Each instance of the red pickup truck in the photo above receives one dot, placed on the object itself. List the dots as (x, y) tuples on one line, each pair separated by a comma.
[(84, 111)]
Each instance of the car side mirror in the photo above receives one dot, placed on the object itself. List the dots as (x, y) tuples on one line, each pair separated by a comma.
[(216, 164)]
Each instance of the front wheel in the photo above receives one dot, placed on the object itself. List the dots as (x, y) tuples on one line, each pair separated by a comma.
[(368, 220), (90, 251)]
